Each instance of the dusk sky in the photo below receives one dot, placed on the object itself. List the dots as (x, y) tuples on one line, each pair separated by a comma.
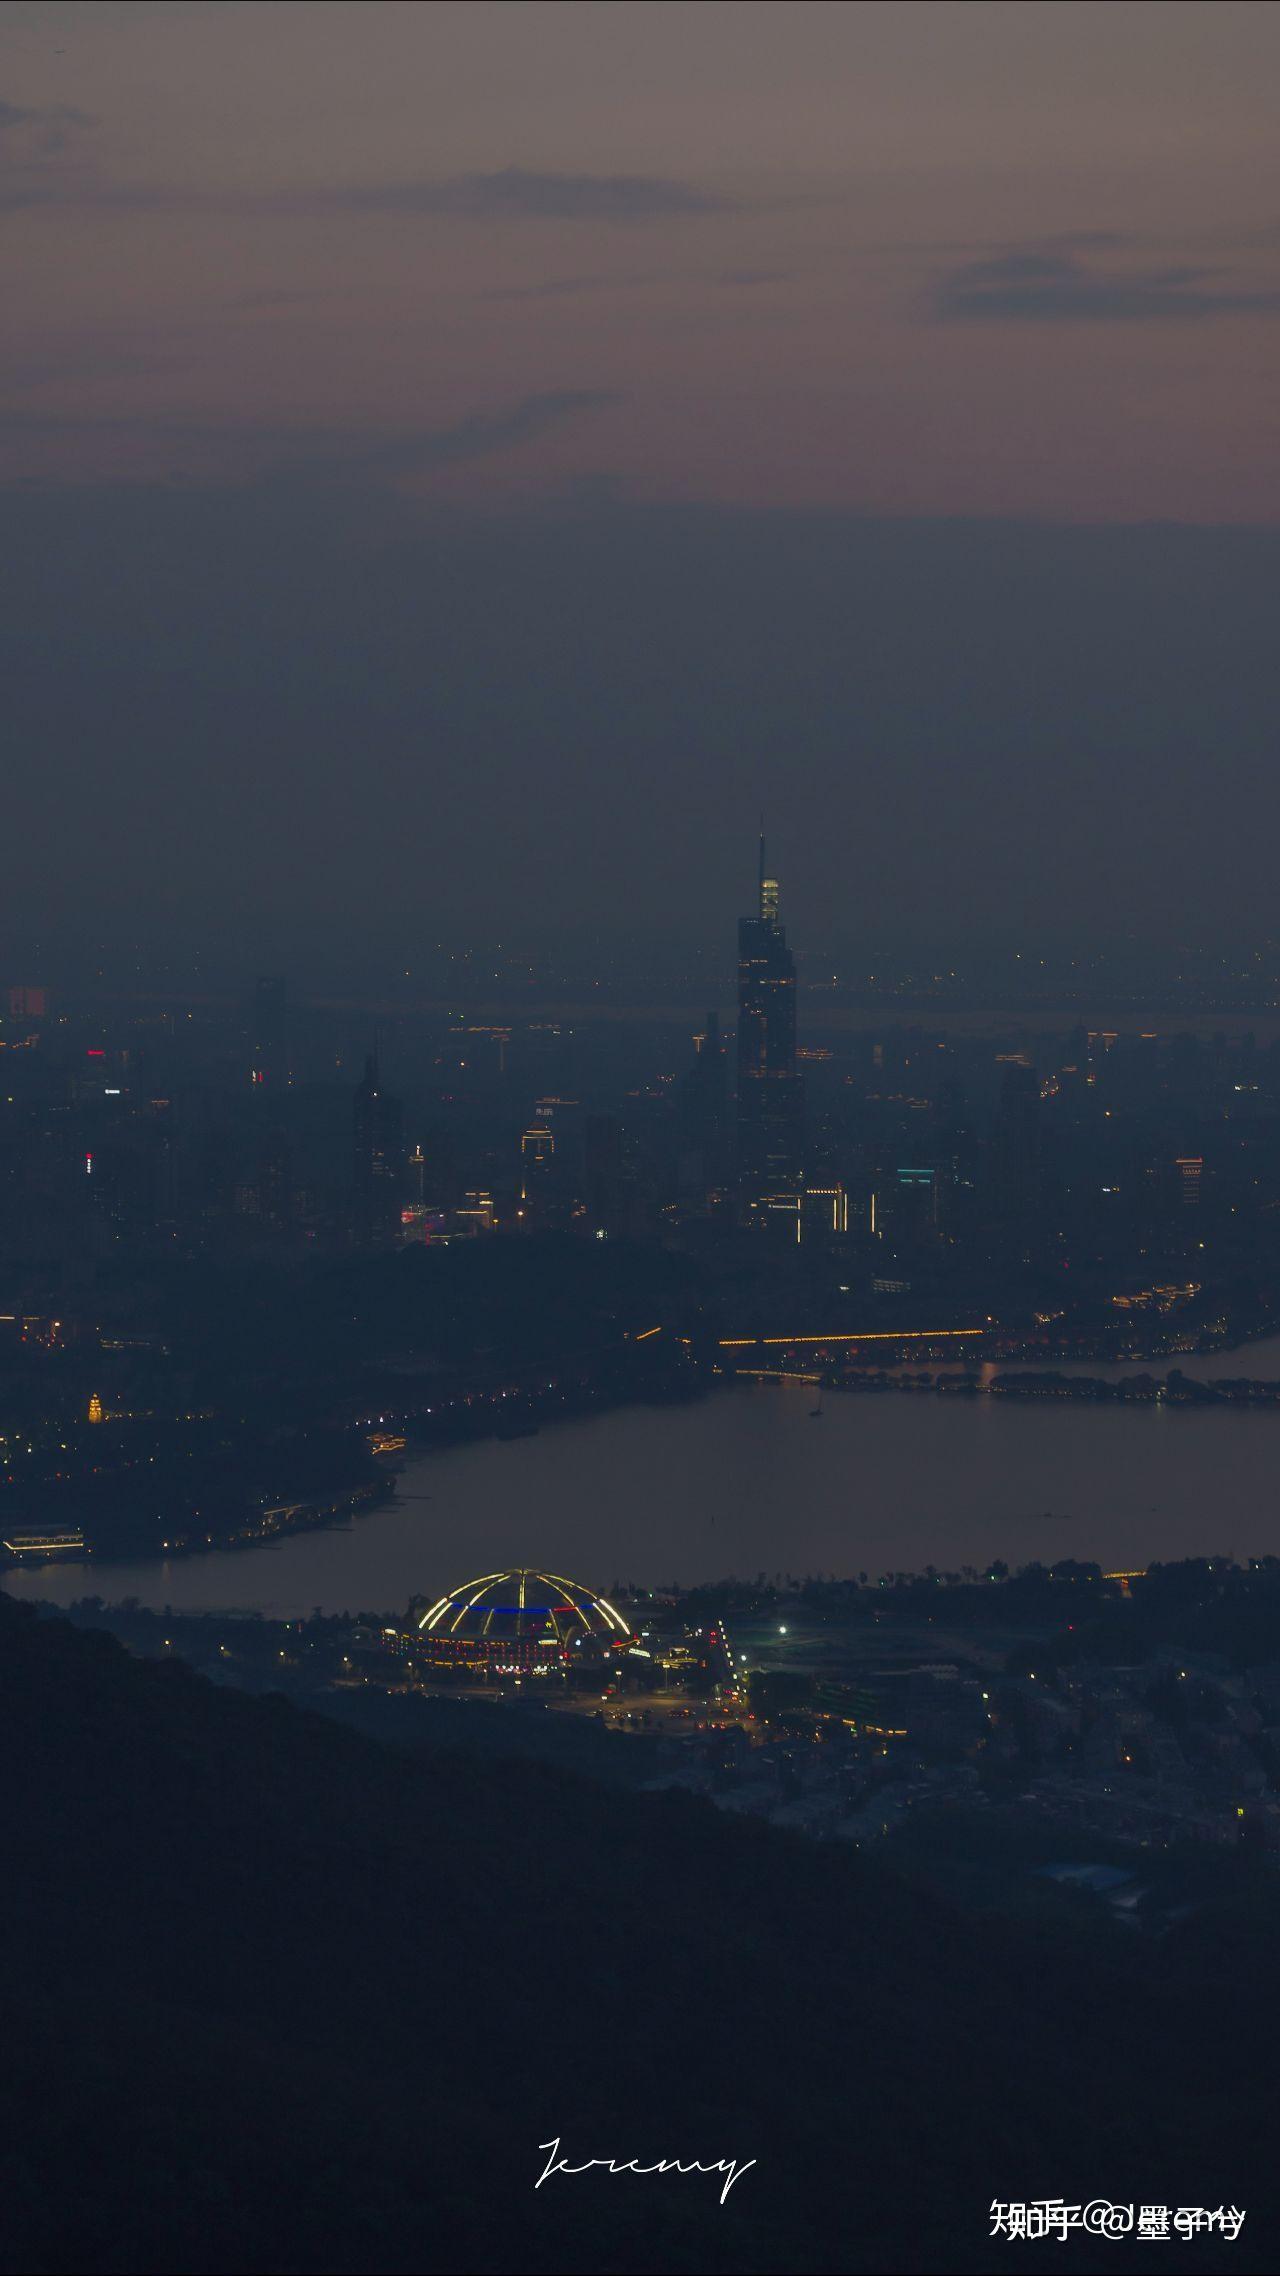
[(485, 452)]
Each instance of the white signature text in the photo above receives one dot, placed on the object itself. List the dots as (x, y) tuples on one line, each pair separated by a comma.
[(729, 2167)]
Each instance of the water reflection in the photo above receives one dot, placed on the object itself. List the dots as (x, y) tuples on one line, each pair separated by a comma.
[(742, 1483)]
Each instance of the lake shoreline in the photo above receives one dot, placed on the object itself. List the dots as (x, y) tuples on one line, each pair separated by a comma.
[(1045, 1385)]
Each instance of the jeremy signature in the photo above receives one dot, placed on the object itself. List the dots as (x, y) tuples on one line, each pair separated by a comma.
[(728, 2166)]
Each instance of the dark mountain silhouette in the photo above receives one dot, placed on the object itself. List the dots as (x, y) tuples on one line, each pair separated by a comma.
[(278, 1997)]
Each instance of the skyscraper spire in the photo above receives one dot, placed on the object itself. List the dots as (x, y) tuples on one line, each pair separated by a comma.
[(770, 1097), (767, 902)]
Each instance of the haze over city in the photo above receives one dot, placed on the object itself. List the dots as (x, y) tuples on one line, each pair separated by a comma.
[(639, 1137), (462, 463)]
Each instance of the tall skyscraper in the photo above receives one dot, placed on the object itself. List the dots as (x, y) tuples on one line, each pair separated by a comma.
[(704, 1113), (770, 1092), (1017, 1145), (268, 1053), (379, 1156)]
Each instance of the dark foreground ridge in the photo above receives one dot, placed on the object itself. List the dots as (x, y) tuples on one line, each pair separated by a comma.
[(277, 1997)]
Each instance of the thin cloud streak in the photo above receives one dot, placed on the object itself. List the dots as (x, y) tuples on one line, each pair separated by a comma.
[(1040, 287), (337, 455), (568, 288), (513, 193), (44, 119), (481, 434), (517, 193)]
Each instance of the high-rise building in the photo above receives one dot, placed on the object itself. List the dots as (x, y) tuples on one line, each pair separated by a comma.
[(551, 1163), (268, 1051), (379, 1155), (604, 1179), (1017, 1143), (1190, 1169), (704, 1112), (27, 1002), (824, 1210), (770, 1092)]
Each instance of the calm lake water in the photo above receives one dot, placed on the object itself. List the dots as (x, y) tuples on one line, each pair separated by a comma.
[(744, 1482)]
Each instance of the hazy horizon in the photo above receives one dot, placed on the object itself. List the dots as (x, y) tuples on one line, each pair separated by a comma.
[(460, 464)]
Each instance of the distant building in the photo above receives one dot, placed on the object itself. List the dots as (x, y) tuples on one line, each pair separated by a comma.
[(1017, 1143), (378, 1156), (268, 1194), (551, 1163), (1190, 1169), (704, 1113), (604, 1177), (25, 1002), (824, 1211), (770, 1091), (45, 1545), (268, 1051), (913, 1204), (518, 1622), (476, 1210)]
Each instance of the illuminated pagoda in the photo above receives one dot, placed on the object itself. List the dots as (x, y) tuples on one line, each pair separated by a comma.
[(518, 1622)]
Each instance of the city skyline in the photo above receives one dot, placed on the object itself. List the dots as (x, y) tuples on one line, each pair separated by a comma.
[(639, 959)]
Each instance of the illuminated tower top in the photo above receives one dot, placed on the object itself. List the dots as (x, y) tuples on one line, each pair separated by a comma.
[(768, 891), (770, 1091)]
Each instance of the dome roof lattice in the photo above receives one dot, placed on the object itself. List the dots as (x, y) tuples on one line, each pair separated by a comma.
[(522, 1605)]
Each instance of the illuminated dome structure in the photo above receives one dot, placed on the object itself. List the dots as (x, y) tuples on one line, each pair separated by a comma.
[(520, 1621)]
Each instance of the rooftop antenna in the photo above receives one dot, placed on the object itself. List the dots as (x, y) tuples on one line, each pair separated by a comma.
[(768, 886)]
